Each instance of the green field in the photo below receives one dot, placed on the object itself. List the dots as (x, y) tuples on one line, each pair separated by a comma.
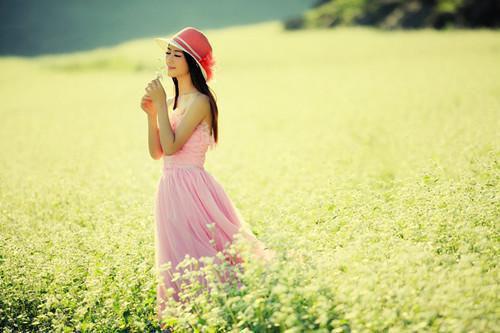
[(368, 160)]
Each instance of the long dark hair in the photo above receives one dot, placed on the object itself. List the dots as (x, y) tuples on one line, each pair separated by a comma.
[(201, 85)]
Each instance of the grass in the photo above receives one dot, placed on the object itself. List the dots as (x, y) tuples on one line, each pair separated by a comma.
[(368, 160)]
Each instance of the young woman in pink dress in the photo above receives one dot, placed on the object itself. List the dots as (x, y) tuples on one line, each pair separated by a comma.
[(194, 216)]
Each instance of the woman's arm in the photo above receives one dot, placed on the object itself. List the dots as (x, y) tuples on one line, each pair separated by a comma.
[(155, 150), (166, 132)]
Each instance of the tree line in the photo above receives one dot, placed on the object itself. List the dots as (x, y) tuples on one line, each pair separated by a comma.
[(400, 14)]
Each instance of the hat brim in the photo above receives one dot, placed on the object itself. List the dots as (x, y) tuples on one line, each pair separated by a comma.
[(163, 44)]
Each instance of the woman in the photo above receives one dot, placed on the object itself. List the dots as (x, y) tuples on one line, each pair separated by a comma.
[(194, 216)]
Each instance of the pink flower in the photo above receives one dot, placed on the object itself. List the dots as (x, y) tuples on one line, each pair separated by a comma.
[(208, 62)]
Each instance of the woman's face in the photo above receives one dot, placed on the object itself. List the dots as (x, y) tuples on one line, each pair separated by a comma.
[(176, 62)]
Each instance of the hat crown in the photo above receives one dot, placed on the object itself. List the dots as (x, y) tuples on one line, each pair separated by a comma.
[(194, 41)]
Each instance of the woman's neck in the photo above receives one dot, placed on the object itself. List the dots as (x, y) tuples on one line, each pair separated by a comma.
[(185, 85)]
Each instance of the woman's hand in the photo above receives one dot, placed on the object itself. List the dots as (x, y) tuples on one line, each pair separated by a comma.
[(148, 106), (156, 92)]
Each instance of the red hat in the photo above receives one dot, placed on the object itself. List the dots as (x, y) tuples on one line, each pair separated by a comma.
[(194, 42)]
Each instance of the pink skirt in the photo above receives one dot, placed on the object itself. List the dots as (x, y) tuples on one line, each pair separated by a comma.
[(195, 217)]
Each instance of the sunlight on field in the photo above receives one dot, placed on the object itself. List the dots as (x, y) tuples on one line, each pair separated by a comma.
[(368, 160)]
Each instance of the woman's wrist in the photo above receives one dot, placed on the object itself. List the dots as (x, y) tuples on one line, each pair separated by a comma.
[(153, 120), (160, 106)]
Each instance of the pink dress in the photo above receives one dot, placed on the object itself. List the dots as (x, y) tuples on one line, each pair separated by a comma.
[(188, 199)]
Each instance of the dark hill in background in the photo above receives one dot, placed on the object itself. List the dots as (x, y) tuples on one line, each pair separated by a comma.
[(393, 14), (34, 27)]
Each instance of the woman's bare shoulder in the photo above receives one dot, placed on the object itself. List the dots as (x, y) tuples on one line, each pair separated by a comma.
[(202, 98)]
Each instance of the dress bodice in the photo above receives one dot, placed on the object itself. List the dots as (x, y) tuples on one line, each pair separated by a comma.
[(194, 150)]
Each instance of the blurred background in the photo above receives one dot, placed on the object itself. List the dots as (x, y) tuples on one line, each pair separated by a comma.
[(83, 25), (30, 28), (359, 139)]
